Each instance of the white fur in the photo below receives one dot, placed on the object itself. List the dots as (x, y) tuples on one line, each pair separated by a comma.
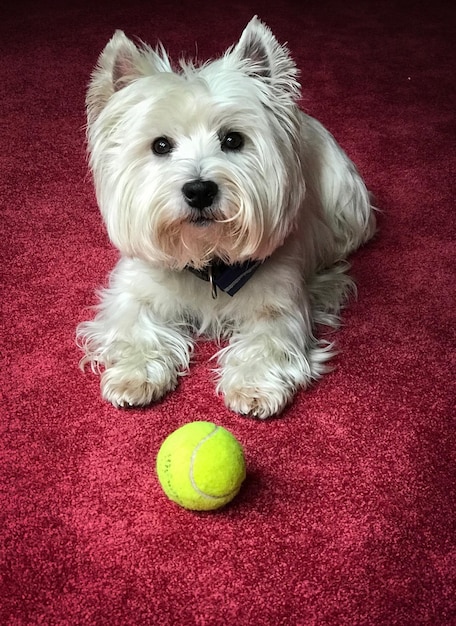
[(289, 197)]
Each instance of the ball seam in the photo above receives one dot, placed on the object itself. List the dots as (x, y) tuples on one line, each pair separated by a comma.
[(192, 477)]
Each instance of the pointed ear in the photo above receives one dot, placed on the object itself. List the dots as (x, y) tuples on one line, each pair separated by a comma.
[(121, 63), (114, 69), (123, 59), (263, 57)]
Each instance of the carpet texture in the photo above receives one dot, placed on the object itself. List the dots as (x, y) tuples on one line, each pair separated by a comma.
[(347, 516)]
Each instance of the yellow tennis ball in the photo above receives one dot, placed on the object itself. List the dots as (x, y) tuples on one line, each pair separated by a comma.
[(201, 466)]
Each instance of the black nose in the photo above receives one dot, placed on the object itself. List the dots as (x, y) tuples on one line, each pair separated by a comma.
[(199, 193)]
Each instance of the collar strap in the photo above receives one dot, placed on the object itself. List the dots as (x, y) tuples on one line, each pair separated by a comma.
[(228, 278)]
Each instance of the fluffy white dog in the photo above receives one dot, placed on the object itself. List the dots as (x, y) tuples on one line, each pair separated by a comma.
[(233, 212)]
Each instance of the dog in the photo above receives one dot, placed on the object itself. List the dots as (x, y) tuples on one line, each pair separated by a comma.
[(234, 213)]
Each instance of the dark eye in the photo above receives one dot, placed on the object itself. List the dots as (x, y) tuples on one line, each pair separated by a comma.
[(232, 141), (161, 146)]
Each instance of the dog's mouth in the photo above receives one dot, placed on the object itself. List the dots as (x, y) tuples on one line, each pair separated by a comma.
[(201, 218), (201, 221)]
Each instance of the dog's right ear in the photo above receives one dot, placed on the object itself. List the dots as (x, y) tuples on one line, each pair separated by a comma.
[(114, 69), (123, 60), (121, 63)]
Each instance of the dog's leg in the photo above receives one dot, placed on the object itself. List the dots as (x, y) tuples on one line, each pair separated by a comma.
[(274, 351), (270, 357), (138, 354), (262, 368)]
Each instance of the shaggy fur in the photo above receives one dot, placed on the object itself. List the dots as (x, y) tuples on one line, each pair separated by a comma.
[(210, 164)]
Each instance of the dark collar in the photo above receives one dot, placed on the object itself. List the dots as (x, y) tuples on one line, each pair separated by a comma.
[(228, 278)]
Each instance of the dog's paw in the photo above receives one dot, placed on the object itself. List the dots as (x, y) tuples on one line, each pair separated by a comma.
[(256, 388), (259, 375), (140, 386), (256, 402)]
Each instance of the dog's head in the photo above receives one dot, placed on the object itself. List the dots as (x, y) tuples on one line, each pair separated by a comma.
[(196, 162)]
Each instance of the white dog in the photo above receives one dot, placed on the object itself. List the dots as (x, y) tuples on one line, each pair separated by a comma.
[(233, 212)]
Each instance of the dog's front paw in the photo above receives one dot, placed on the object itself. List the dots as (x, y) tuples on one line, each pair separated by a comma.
[(126, 386), (261, 379), (260, 372), (251, 400)]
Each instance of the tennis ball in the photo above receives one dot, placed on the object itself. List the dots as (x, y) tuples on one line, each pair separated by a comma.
[(201, 466)]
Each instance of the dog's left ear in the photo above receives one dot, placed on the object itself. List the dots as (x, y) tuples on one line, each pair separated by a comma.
[(261, 56)]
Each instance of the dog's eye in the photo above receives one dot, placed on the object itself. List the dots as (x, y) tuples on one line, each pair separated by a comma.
[(161, 146), (232, 141)]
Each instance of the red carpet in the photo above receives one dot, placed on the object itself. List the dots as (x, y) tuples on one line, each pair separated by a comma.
[(348, 513)]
